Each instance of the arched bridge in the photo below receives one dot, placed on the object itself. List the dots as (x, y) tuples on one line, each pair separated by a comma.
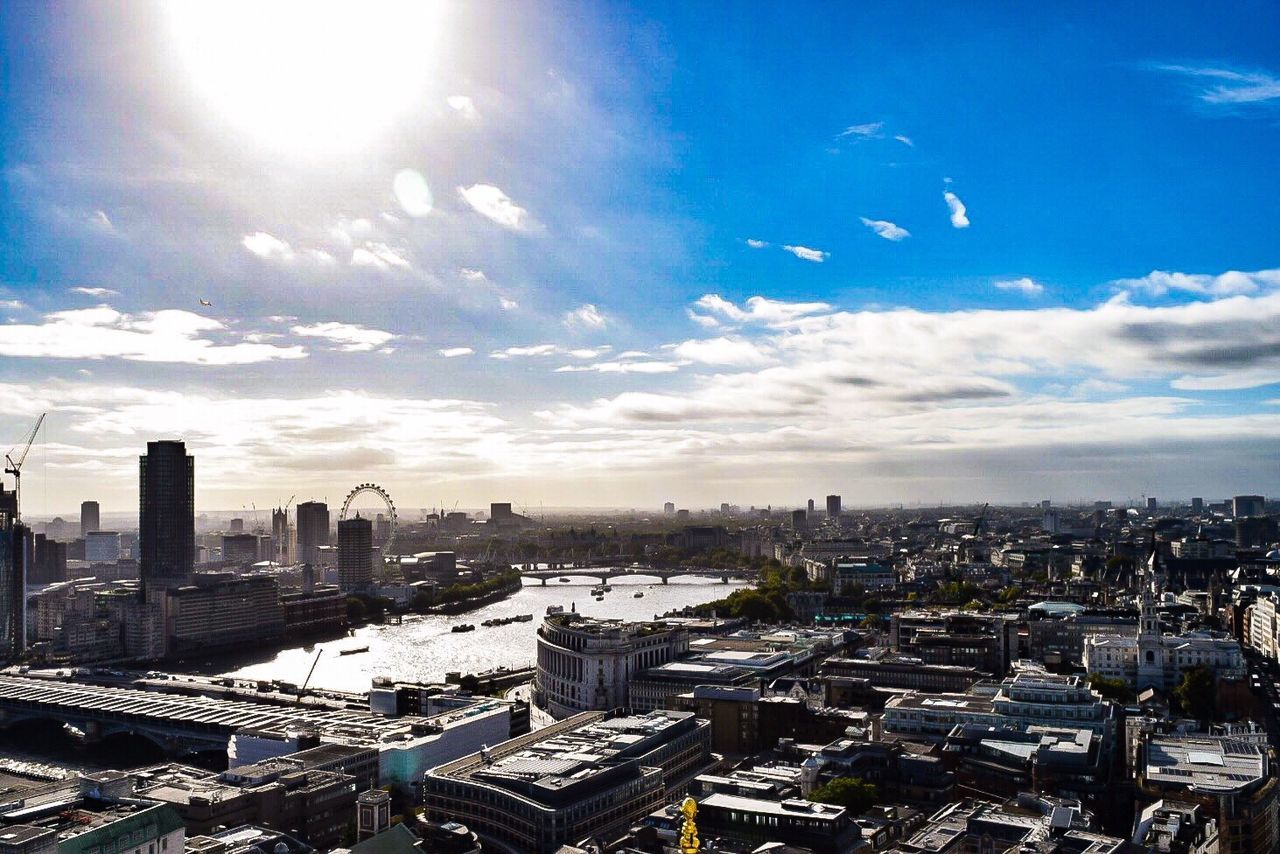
[(604, 573), (178, 724)]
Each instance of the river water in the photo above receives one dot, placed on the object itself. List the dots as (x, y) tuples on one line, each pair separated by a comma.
[(423, 649)]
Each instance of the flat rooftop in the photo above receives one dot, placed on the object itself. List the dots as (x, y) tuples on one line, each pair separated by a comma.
[(1206, 763)]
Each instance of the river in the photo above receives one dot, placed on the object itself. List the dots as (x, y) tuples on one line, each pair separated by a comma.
[(423, 648)]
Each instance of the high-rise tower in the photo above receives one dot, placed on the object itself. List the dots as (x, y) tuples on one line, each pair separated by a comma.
[(166, 514), (313, 530), (355, 554), (90, 518)]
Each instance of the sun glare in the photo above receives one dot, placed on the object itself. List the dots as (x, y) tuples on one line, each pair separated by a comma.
[(307, 76)]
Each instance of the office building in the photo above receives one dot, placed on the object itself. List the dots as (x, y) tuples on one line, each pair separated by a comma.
[(1152, 506), (102, 547), (313, 530), (15, 551), (93, 814), (355, 554), (90, 518), (1247, 506), (166, 514), (586, 664), (284, 794), (589, 775), (222, 611), (799, 521), (239, 549), (669, 508), (833, 506), (1231, 777), (48, 561)]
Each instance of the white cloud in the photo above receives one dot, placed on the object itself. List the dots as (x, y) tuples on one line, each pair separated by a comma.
[(473, 275), (464, 106), (759, 309), (618, 367), (455, 352), (267, 246), (806, 254), (756, 244), (590, 352), (98, 293), (350, 337), (905, 140), (1024, 285), (1232, 282), (412, 192), (733, 352), (169, 335), (320, 257), (702, 320), (378, 255), (957, 208), (347, 230), (491, 202), (12, 304), (1231, 87), (884, 228), (1094, 386), (586, 315), (867, 130), (530, 350), (100, 220), (507, 303)]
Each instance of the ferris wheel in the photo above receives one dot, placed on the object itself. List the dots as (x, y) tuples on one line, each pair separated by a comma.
[(374, 489)]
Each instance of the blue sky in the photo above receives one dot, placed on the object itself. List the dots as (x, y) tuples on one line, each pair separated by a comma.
[(613, 254)]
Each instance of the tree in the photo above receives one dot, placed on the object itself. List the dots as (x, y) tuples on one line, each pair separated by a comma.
[(853, 793), (1195, 693), (1109, 688)]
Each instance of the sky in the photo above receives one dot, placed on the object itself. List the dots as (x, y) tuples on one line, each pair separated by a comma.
[(571, 254)]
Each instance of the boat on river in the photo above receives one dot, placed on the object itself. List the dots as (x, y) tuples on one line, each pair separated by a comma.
[(353, 651), (463, 627)]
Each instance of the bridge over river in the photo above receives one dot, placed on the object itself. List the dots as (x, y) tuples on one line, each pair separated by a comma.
[(178, 724), (606, 572)]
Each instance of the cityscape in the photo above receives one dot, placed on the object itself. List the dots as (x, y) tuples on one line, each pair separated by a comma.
[(638, 428)]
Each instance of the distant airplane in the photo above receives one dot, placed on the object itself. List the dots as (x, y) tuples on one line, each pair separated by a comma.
[(206, 302)]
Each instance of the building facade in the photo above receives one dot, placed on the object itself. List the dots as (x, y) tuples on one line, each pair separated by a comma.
[(355, 554), (90, 518), (586, 664), (166, 514)]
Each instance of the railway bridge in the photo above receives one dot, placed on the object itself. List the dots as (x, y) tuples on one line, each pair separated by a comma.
[(178, 724)]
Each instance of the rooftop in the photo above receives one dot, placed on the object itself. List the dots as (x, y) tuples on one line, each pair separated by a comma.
[(1209, 764)]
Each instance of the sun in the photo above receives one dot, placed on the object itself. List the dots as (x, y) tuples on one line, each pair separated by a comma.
[(307, 76)]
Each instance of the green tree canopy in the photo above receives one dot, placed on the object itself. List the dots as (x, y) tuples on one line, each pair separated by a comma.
[(1109, 688), (853, 793), (1195, 693)]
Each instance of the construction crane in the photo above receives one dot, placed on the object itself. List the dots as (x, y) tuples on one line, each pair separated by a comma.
[(14, 467), (982, 517), (303, 690)]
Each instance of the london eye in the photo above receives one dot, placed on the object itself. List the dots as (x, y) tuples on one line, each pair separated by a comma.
[(380, 493)]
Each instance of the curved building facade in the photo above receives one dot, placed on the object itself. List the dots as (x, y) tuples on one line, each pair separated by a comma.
[(585, 664)]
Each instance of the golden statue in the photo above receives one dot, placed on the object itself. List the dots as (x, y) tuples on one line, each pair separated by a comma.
[(689, 842)]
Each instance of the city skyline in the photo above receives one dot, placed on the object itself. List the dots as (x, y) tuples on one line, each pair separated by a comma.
[(591, 257)]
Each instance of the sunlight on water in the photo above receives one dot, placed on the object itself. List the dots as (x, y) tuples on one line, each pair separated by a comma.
[(423, 649)]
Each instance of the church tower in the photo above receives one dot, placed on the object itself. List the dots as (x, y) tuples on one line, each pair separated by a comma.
[(1151, 670)]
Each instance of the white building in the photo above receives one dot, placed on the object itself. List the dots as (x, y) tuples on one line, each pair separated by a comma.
[(585, 664), (1152, 659)]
